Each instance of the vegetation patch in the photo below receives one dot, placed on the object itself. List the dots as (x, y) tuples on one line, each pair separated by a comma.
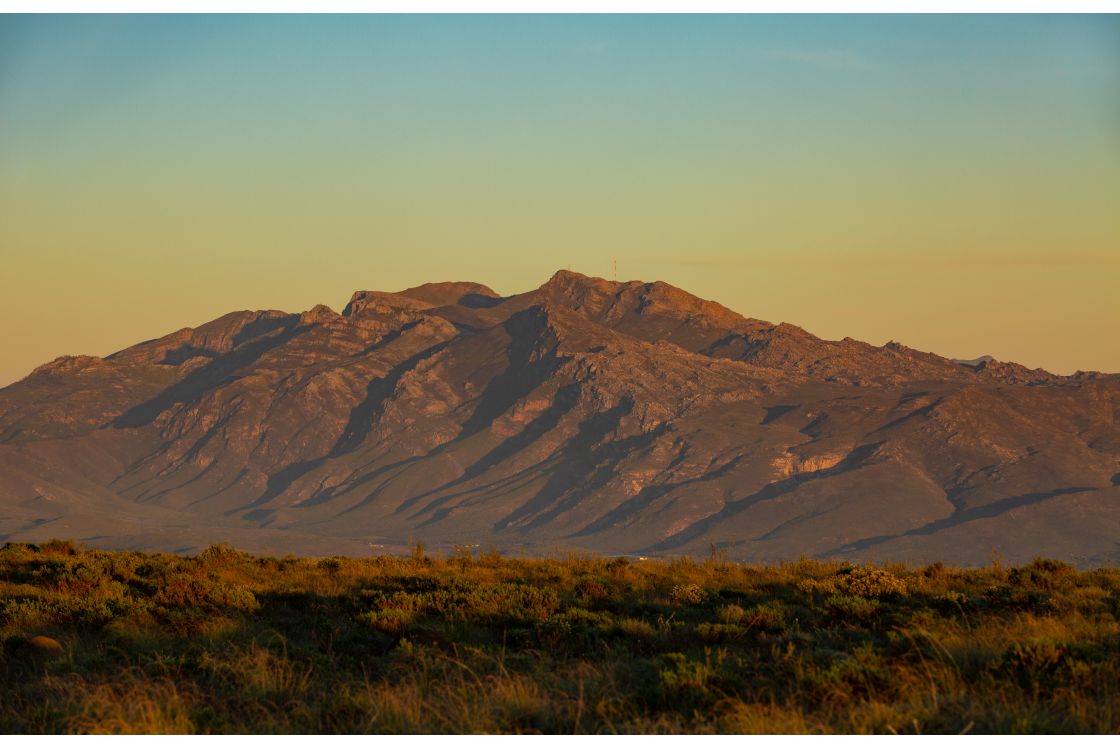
[(127, 642)]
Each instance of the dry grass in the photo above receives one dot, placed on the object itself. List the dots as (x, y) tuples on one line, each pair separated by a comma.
[(226, 642)]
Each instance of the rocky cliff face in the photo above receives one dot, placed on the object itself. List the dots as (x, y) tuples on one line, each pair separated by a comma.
[(585, 414)]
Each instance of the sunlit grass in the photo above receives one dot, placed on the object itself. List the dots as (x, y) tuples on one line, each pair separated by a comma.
[(226, 642)]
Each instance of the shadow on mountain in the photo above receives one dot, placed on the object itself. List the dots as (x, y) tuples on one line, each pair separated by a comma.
[(633, 507), (203, 379), (912, 415), (327, 494), (735, 346), (184, 353), (280, 481), (377, 392), (358, 425), (857, 458), (987, 511), (585, 465), (531, 360), (479, 301), (777, 411), (565, 400), (531, 357), (389, 337), (262, 326)]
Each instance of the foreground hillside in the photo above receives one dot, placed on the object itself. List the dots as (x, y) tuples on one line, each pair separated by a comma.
[(585, 414), (99, 641)]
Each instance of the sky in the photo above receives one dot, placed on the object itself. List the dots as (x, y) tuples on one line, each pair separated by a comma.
[(948, 182)]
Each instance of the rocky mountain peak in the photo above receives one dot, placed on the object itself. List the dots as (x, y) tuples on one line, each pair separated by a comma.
[(448, 293), (620, 417), (371, 303)]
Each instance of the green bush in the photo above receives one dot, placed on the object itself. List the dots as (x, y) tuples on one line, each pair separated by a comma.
[(687, 594), (855, 608), (221, 555), (857, 581), (205, 594)]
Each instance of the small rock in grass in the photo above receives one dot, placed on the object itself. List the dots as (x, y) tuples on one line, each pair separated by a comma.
[(42, 644)]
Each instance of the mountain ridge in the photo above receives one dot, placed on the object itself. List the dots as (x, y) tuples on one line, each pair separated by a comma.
[(619, 417)]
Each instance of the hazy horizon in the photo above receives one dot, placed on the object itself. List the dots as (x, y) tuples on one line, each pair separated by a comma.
[(948, 182)]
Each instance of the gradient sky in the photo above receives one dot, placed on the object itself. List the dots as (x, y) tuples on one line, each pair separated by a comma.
[(950, 182)]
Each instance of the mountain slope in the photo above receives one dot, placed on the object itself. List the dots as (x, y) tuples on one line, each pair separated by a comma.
[(613, 417)]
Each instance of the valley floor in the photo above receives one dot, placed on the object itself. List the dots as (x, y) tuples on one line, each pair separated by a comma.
[(129, 642)]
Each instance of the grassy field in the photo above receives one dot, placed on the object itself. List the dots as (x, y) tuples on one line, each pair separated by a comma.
[(226, 642)]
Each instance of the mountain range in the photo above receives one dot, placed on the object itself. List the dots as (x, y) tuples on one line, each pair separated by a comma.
[(585, 415)]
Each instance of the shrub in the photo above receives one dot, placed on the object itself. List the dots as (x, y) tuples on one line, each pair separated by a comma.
[(1041, 574), (857, 608), (635, 628), (463, 602), (331, 565), (206, 595), (856, 581), (935, 570), (79, 611), (951, 600), (691, 678), (1035, 663), (768, 617), (58, 547), (715, 632), (1018, 598), (222, 554), (580, 627), (687, 594), (592, 589), (870, 582), (392, 620), (863, 672), (618, 565), (493, 601), (732, 613)]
